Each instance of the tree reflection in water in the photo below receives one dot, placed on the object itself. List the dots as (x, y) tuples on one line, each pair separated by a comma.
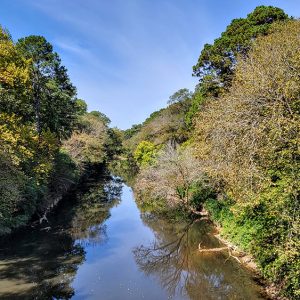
[(173, 258), (41, 264)]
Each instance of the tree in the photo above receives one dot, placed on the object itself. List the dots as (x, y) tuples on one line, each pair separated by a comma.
[(135, 128), (145, 153), (14, 77), (53, 95), (87, 145), (180, 96), (12, 183), (171, 178), (104, 118), (198, 99), (249, 139), (81, 106), (216, 63)]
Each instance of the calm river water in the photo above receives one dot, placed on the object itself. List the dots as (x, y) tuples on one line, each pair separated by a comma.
[(98, 245)]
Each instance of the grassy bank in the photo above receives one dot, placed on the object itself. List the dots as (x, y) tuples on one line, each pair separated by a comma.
[(258, 231)]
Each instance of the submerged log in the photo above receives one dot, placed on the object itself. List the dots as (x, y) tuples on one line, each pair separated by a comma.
[(219, 250), (212, 249), (46, 228)]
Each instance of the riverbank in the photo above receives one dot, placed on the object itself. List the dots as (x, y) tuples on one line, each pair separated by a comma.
[(93, 239), (245, 258), (271, 290)]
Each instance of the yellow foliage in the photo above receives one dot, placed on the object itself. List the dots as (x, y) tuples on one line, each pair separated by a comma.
[(252, 130), (87, 145), (14, 69), (24, 147), (15, 138)]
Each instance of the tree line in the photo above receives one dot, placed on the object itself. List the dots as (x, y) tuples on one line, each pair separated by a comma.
[(48, 140), (232, 146)]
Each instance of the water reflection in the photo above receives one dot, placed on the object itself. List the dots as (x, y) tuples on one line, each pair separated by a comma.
[(184, 272), (42, 263), (86, 254)]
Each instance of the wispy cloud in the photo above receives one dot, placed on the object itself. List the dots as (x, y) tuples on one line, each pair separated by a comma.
[(127, 57)]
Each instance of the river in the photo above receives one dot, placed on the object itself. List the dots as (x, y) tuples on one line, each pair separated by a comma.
[(98, 245)]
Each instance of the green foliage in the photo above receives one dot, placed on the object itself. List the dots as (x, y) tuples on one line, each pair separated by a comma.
[(81, 106), (64, 174), (52, 96), (248, 141), (145, 153), (128, 133), (242, 162), (263, 232), (114, 146), (244, 116), (162, 126), (101, 116), (14, 68), (27, 150), (154, 115), (180, 96), (12, 183), (216, 63), (240, 229), (197, 100), (14, 77), (201, 192), (87, 144), (38, 110)]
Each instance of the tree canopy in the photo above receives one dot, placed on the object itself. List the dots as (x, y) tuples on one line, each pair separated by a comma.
[(52, 93), (216, 63)]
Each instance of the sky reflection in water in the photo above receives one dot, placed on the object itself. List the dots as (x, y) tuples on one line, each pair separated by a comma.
[(105, 248)]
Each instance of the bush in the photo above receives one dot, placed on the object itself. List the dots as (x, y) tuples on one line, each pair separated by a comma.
[(145, 153)]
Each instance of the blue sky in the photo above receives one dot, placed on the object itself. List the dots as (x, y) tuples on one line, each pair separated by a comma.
[(126, 57)]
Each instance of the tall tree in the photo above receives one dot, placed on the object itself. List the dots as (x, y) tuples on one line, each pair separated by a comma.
[(53, 94), (216, 63)]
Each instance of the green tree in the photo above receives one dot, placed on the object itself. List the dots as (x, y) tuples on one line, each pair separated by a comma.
[(180, 96), (53, 95), (104, 118), (145, 153), (135, 128), (197, 100), (216, 63), (81, 106)]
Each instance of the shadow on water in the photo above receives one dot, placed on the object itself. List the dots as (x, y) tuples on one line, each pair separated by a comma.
[(174, 260), (83, 253), (41, 263)]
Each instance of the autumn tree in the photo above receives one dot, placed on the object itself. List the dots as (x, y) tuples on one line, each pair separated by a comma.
[(249, 140), (87, 144), (170, 178), (14, 77)]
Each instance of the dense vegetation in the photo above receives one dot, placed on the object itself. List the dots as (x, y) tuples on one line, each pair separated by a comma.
[(47, 139), (232, 147)]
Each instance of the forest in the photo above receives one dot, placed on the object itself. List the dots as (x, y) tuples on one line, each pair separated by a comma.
[(231, 147), (48, 139), (229, 150)]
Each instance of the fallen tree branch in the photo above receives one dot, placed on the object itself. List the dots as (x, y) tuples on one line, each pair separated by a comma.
[(212, 249)]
